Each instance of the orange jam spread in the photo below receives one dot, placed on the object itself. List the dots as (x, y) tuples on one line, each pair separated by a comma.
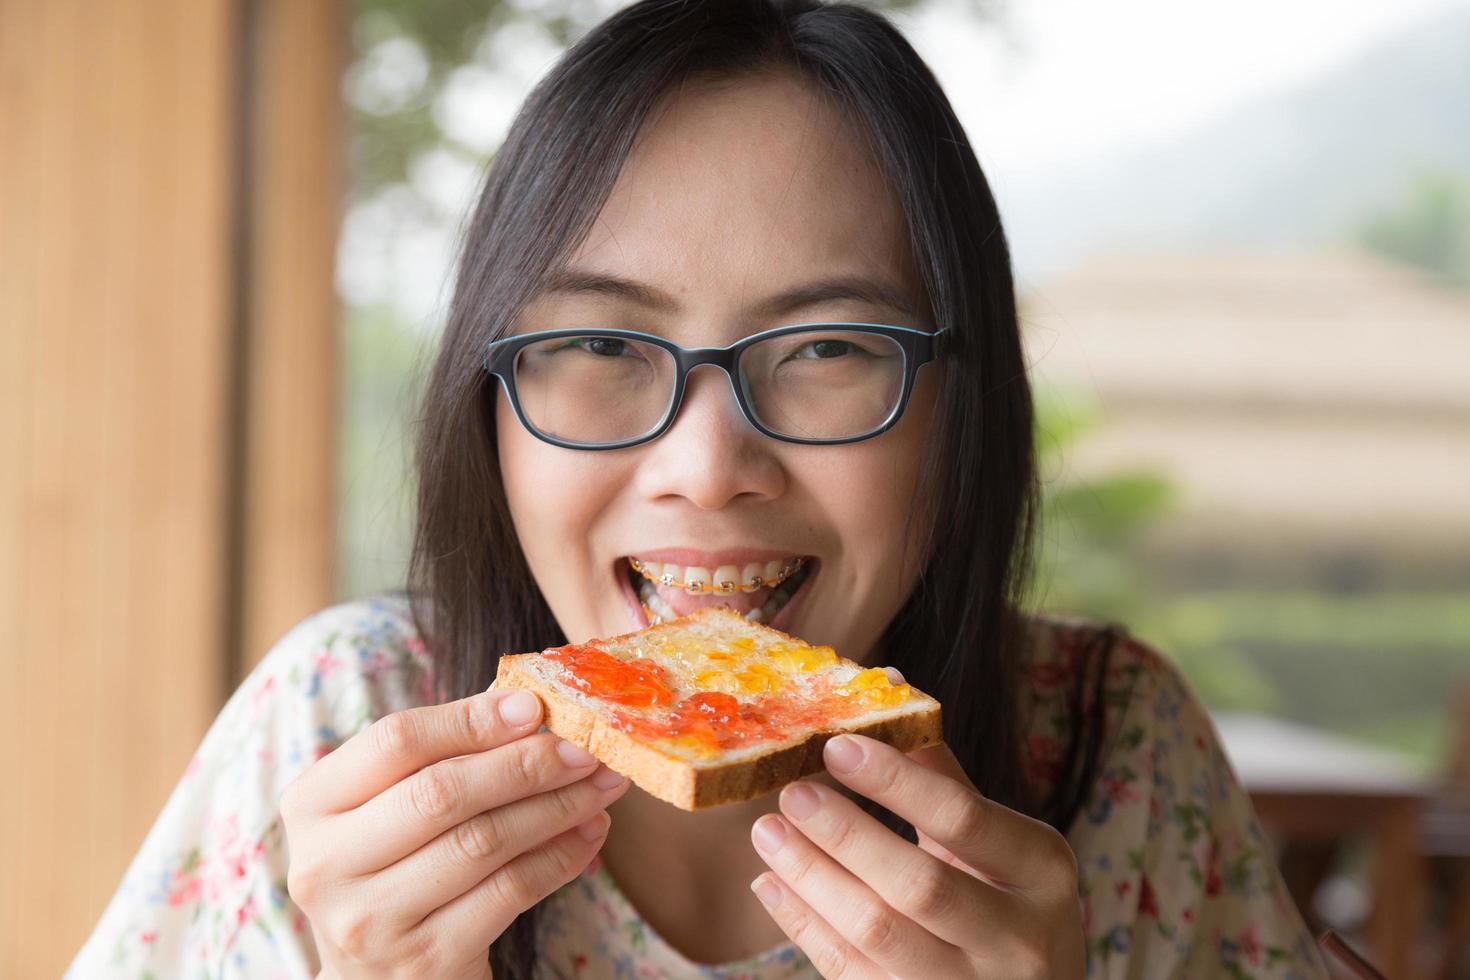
[(599, 673), (801, 657), (751, 679), (742, 693), (873, 689)]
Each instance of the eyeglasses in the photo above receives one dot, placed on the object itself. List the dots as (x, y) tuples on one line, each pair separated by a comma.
[(809, 383)]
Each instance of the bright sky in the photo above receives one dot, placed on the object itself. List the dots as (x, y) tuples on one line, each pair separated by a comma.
[(1061, 83), (1066, 79)]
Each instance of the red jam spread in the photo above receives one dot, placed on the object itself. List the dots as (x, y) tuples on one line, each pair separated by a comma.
[(638, 683), (713, 718), (707, 719)]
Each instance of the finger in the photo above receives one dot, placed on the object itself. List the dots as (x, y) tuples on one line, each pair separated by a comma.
[(404, 742), (833, 957), (942, 760), (419, 808), (1008, 848), (481, 914), (461, 857), (948, 764), (854, 910), (955, 906)]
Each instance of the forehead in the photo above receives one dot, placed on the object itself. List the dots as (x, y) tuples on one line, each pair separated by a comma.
[(738, 190)]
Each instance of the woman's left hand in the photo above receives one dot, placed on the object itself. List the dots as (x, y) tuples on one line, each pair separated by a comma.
[(986, 892)]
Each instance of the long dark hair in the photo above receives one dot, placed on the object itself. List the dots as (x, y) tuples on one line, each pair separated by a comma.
[(961, 635)]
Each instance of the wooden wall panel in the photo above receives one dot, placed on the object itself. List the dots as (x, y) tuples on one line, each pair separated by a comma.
[(295, 189), (169, 179), (116, 172)]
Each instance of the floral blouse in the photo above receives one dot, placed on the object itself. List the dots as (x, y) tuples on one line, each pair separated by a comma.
[(1175, 876)]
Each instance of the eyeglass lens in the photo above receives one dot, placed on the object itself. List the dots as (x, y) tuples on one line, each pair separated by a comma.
[(819, 384)]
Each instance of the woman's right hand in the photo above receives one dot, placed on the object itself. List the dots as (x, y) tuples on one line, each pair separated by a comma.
[(420, 839)]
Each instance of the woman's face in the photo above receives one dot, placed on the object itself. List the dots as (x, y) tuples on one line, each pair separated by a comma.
[(735, 194)]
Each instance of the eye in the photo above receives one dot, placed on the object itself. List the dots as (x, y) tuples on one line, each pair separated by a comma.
[(601, 346), (824, 349)]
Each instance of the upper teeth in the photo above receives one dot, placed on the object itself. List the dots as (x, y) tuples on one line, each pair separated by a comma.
[(697, 580)]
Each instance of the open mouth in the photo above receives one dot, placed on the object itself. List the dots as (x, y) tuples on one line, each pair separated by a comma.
[(759, 590)]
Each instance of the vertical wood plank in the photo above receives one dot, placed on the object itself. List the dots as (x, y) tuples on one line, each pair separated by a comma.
[(20, 79), (116, 286), (297, 182), (1396, 923)]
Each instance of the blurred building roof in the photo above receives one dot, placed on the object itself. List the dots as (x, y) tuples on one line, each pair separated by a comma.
[(1325, 392)]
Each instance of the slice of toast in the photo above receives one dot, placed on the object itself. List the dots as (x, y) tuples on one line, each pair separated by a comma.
[(712, 708)]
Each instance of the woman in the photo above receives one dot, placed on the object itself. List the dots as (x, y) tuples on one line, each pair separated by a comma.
[(702, 173)]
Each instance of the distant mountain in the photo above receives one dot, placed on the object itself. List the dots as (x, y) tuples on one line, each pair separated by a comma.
[(1301, 167)]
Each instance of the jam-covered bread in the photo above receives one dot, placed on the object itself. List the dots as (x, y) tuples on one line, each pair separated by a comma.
[(714, 708)]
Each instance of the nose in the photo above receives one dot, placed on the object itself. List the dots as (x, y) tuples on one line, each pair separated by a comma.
[(711, 455)]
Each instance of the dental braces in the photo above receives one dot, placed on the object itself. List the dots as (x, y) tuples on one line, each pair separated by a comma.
[(723, 587)]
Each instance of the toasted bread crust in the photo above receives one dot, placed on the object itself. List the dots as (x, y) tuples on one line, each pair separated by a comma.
[(695, 788)]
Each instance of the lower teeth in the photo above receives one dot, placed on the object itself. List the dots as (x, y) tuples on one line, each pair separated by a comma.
[(654, 604)]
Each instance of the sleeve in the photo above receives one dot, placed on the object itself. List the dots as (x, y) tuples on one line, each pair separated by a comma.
[(205, 896), (1176, 877)]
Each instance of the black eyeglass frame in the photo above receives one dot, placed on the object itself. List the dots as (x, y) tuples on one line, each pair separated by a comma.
[(919, 348)]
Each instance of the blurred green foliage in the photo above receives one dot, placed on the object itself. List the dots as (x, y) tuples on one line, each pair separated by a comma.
[(1088, 562), (1087, 526), (1429, 228), (1382, 666)]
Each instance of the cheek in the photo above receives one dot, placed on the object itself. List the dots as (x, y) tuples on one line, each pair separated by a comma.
[(886, 478), (552, 498), (518, 466), (866, 493)]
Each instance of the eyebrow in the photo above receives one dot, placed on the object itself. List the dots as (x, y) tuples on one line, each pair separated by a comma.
[(583, 282)]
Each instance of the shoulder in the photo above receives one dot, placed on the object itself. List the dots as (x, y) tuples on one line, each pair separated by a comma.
[(206, 891), (343, 667), (1174, 872), (380, 624), (328, 677), (1063, 643), (1079, 670)]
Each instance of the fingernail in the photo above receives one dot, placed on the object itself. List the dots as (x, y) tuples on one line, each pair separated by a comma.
[(800, 800), (592, 829), (606, 778), (767, 891), (844, 754), (769, 832), (574, 755), (519, 708), (895, 676)]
